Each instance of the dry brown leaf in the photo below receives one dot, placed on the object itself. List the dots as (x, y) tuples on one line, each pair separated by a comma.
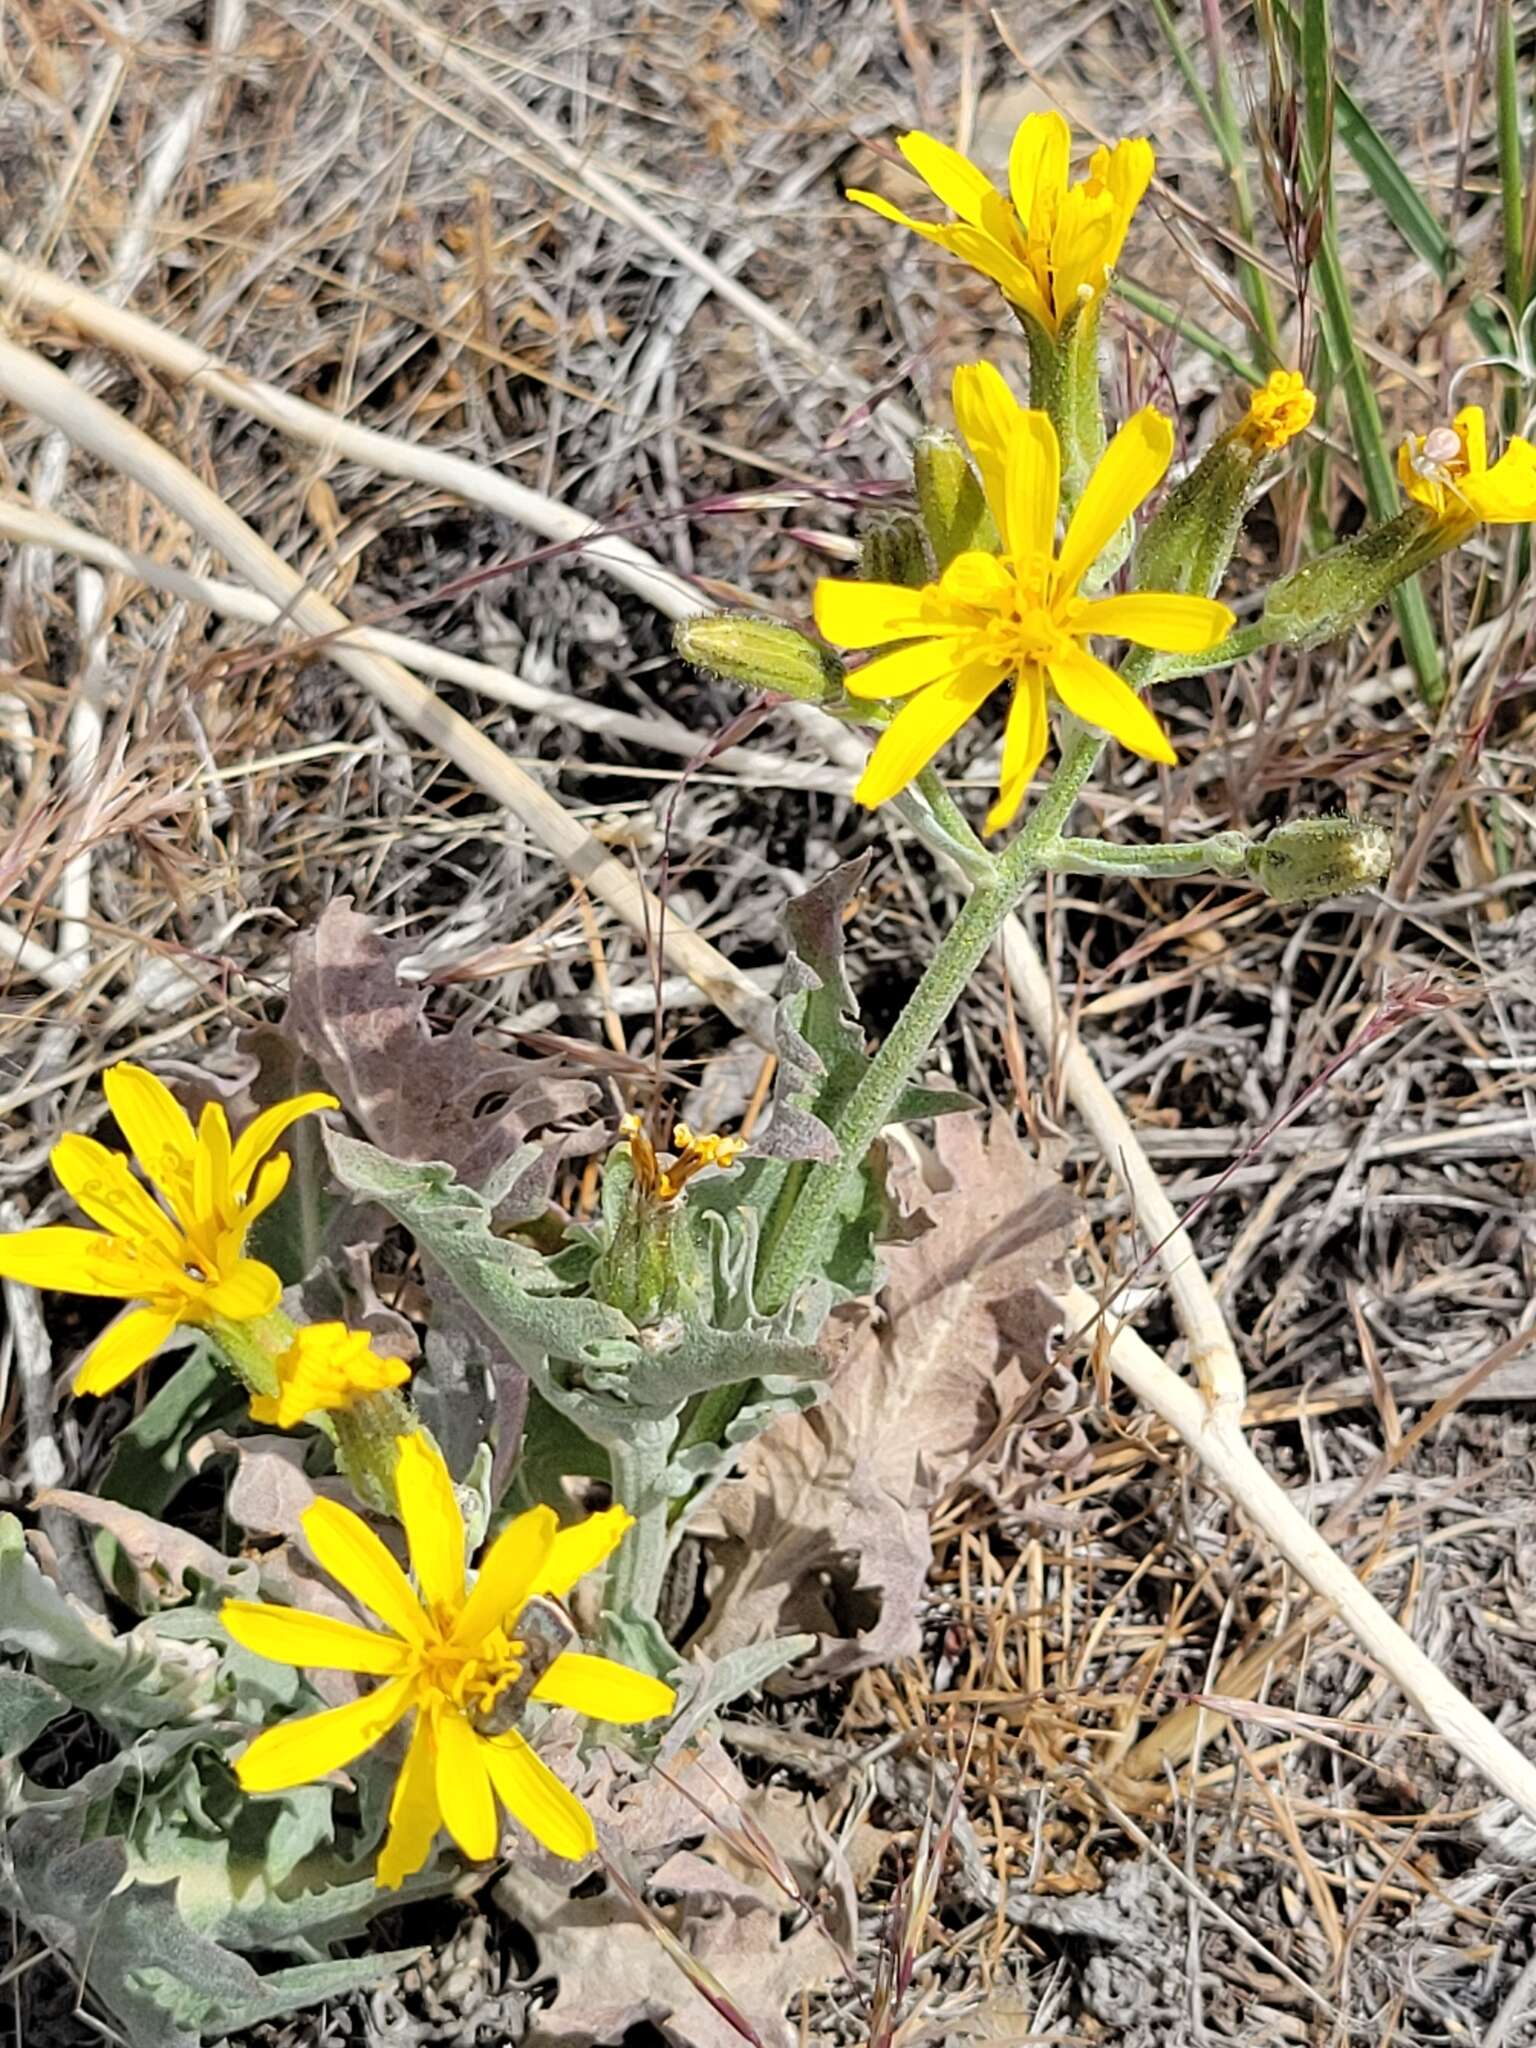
[(612, 1972), (161, 1556), (417, 1095), (826, 1526)]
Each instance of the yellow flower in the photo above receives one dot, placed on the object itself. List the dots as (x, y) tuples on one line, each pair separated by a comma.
[(1051, 250), (450, 1651), (1277, 412), (180, 1263), (327, 1367), (692, 1150), (1017, 616), (1448, 472)]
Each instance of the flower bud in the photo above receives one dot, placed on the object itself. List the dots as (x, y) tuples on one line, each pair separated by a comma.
[(742, 647), (1324, 598), (1064, 382), (1188, 545), (893, 550), (1311, 858), (949, 497)]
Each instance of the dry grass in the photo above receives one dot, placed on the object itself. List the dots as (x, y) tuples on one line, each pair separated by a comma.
[(1187, 1810)]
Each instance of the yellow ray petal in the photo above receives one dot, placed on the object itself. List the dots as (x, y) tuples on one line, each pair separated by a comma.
[(1024, 742), (246, 1290), (464, 1786), (294, 1752), (414, 1814), (1127, 171), (68, 1259), (271, 1179), (122, 1348), (263, 1132), (603, 1689), (345, 1546), (987, 414), (1097, 696), (1471, 428), (1154, 618), (103, 1186), (535, 1797), (918, 731), (158, 1129), (579, 1550), (1505, 495), (1080, 245), (434, 1525), (933, 232), (1129, 468), (974, 586), (289, 1636), (1008, 271), (949, 176), (862, 615), (505, 1579), (904, 670), (210, 1166), (1038, 163), (1032, 491)]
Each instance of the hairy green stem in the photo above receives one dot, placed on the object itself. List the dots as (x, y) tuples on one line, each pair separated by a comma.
[(1224, 853), (794, 1252), (638, 1461)]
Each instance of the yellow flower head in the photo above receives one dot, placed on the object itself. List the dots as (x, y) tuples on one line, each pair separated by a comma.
[(327, 1367), (1051, 245), (1448, 472), (1017, 617), (450, 1650), (692, 1152), (1277, 412), (178, 1260)]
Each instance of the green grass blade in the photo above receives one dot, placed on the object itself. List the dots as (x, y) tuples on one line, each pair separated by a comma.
[(1511, 170), (1220, 118), (1413, 619), (1401, 199)]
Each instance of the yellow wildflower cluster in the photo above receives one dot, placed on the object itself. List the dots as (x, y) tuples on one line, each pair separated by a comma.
[(449, 1652), (1277, 412), (177, 1260), (1018, 617), (1448, 472), (1051, 244), (325, 1370)]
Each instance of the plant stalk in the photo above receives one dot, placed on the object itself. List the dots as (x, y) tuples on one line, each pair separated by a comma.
[(794, 1252), (638, 1461)]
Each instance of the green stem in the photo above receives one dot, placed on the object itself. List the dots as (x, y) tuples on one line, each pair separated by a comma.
[(1224, 853), (794, 1252), (639, 1461)]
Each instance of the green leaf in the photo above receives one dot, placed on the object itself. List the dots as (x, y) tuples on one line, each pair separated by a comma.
[(146, 1467), (28, 1705), (585, 1359), (122, 1680)]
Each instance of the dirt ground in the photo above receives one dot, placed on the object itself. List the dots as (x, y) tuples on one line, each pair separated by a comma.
[(603, 252)]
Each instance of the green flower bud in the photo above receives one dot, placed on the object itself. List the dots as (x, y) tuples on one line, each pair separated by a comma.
[(893, 550), (1311, 858), (650, 1266), (1324, 598), (954, 511), (1064, 382), (743, 647)]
